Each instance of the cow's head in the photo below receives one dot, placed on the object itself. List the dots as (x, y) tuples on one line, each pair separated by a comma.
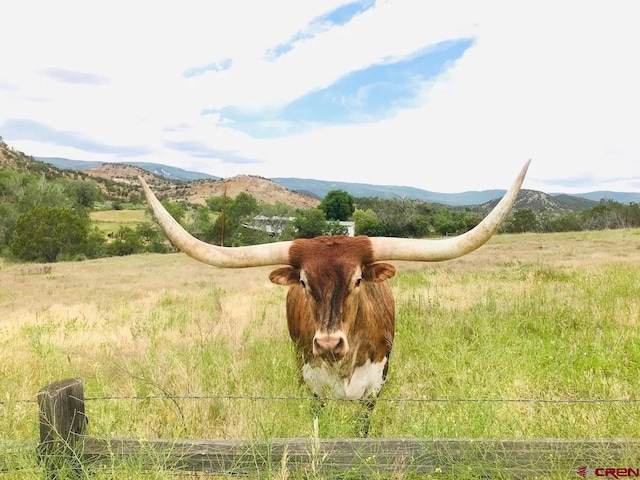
[(327, 275)]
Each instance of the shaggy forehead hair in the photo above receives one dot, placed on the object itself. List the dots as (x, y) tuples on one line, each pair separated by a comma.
[(324, 251)]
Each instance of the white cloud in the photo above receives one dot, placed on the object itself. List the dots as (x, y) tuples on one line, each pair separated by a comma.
[(557, 82)]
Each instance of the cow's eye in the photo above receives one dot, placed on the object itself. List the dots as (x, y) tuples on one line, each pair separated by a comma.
[(302, 284), (358, 282)]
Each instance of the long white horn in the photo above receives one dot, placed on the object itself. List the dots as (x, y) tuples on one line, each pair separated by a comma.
[(435, 250), (228, 257)]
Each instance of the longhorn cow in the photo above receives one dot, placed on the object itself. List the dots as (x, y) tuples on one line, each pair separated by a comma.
[(340, 309)]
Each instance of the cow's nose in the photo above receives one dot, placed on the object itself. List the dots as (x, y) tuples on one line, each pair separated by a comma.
[(332, 345)]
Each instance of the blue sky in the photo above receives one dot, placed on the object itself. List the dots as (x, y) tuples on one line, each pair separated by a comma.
[(337, 16), (446, 97), (375, 92)]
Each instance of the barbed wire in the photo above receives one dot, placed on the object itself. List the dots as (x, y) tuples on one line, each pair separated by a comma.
[(293, 398)]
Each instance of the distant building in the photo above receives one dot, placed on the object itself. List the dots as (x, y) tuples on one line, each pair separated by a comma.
[(351, 227), (272, 225), (275, 225)]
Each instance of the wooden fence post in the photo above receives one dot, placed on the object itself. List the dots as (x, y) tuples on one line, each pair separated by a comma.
[(62, 421)]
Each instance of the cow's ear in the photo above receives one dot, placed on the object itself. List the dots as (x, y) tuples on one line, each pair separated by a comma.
[(378, 272), (285, 276)]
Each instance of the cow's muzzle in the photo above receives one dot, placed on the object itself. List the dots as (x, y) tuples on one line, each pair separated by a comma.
[(332, 346)]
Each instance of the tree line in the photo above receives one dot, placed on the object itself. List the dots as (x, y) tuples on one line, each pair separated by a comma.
[(607, 214), (49, 219)]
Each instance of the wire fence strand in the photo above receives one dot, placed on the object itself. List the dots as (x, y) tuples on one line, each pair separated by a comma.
[(293, 398), (379, 399)]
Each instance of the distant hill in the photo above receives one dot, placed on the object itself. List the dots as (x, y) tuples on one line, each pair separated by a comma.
[(197, 192), (263, 189), (537, 201), (573, 202), (119, 180), (17, 160), (622, 197), (320, 188), (68, 164), (166, 171), (12, 158)]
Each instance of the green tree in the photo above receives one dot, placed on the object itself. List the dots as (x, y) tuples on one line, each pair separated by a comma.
[(546, 220), (216, 231), (43, 233), (523, 220), (239, 210), (568, 222), (215, 204), (176, 209), (279, 217), (337, 205), (633, 212), (8, 218), (421, 226), (397, 215), (200, 223), (334, 228), (243, 207), (250, 236), (126, 241), (599, 217), (95, 244), (37, 191), (9, 181), (443, 222), (310, 223), (84, 192), (367, 223), (151, 238)]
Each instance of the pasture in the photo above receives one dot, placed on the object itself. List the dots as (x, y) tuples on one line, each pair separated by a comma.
[(531, 336), (111, 220)]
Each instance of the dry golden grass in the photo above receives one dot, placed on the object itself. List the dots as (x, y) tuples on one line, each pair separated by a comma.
[(106, 283)]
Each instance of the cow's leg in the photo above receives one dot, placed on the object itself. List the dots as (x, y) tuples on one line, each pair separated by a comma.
[(363, 419), (317, 406)]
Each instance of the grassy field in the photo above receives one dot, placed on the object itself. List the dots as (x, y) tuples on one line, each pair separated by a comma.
[(111, 220), (526, 317)]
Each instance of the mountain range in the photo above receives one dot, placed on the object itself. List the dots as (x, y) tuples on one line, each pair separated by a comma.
[(319, 188), (166, 171)]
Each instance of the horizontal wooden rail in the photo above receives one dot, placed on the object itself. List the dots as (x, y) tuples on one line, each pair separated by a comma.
[(513, 458)]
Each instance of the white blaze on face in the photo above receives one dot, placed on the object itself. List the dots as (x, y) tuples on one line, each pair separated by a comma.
[(365, 382)]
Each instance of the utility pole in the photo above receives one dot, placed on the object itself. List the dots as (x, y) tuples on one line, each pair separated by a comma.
[(224, 210)]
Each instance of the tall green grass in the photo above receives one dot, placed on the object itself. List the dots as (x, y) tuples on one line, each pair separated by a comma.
[(566, 336)]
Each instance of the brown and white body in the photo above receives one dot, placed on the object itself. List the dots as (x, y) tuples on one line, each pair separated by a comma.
[(340, 309), (340, 314)]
